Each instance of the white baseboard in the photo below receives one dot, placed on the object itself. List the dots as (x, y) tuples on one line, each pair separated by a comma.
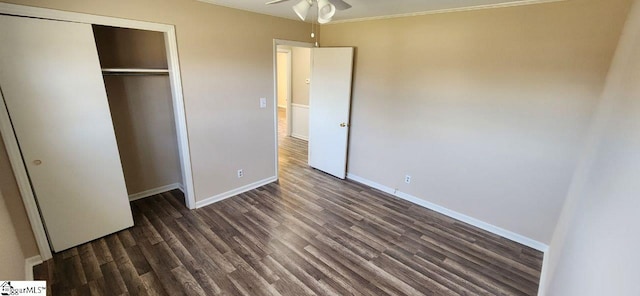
[(154, 191), (453, 214), (234, 192), (29, 263), (301, 137)]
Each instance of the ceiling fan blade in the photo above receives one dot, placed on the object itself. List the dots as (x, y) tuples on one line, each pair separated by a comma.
[(340, 4), (275, 1)]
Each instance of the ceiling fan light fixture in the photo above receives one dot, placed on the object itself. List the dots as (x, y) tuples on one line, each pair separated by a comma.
[(302, 8), (326, 8), (326, 11), (323, 21)]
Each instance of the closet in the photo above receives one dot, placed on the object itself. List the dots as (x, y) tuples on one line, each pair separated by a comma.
[(134, 68), (91, 110)]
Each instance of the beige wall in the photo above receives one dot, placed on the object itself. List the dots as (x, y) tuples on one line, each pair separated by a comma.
[(141, 107), (283, 84), (11, 254), (486, 110), (13, 202), (497, 100), (594, 250), (226, 60), (300, 72), (142, 112), (220, 50)]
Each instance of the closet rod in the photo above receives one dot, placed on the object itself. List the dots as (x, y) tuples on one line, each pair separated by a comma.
[(134, 71), (132, 74)]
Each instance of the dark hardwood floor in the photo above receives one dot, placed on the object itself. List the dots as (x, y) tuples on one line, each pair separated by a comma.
[(308, 234)]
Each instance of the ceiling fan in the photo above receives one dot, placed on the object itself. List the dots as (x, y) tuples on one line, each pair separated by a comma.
[(326, 8)]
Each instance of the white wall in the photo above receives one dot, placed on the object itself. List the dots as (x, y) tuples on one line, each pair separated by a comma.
[(300, 128), (595, 247), (12, 259)]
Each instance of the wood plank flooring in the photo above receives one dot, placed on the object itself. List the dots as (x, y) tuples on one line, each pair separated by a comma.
[(309, 234)]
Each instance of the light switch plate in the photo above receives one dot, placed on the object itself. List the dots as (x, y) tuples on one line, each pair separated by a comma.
[(263, 103)]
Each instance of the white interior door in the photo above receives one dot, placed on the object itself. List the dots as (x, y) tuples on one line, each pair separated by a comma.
[(52, 85), (329, 107)]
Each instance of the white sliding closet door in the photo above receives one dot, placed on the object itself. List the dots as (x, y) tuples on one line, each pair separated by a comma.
[(52, 85)]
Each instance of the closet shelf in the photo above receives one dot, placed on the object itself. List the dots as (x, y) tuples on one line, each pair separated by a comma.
[(134, 71)]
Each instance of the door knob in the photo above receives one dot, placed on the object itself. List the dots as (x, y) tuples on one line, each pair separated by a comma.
[(37, 162), (344, 124)]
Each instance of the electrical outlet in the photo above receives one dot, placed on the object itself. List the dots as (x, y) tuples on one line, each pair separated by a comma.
[(407, 179), (240, 173)]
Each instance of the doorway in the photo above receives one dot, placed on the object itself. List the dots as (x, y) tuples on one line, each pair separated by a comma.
[(293, 68), (318, 112), (292, 64)]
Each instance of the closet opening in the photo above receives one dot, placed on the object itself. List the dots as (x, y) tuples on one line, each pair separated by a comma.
[(136, 78), (68, 158)]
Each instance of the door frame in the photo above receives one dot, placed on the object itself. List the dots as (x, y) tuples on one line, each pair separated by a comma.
[(289, 90), (292, 43), (10, 140)]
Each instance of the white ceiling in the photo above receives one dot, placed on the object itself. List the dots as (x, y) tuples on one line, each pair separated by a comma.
[(363, 9)]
